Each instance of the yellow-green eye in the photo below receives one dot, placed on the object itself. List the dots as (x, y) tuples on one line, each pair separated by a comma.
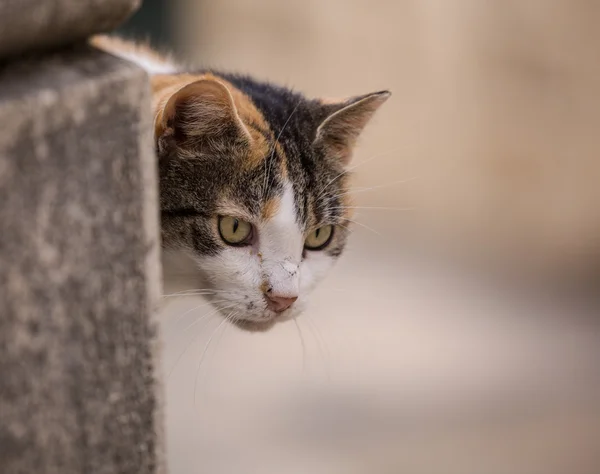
[(235, 231), (319, 239)]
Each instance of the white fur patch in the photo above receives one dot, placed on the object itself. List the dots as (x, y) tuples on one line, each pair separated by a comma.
[(150, 64), (281, 243), (240, 275)]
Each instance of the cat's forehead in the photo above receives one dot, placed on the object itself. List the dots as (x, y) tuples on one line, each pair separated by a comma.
[(281, 160), (284, 184)]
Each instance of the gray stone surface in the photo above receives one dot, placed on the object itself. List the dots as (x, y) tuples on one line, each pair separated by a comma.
[(41, 24), (79, 267)]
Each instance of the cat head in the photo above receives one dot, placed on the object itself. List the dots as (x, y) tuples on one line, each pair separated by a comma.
[(254, 187)]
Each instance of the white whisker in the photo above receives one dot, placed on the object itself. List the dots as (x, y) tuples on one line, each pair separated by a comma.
[(347, 170), (206, 303), (219, 308), (193, 291), (201, 318), (268, 170), (320, 343), (302, 344), (364, 226), (370, 188), (344, 227), (204, 353), (375, 208)]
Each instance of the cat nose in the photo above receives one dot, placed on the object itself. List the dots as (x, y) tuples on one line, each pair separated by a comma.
[(279, 303)]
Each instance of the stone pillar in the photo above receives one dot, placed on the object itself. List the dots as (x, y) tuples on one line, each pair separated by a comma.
[(79, 242)]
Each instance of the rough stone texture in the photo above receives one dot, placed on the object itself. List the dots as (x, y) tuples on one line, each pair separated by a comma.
[(79, 268), (35, 24)]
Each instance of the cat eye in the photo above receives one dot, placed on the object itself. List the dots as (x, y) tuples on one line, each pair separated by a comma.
[(235, 231), (319, 239)]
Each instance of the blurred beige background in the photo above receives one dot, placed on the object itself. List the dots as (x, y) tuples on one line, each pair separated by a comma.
[(415, 359)]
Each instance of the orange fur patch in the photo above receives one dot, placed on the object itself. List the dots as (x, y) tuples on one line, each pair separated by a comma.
[(270, 208), (165, 85)]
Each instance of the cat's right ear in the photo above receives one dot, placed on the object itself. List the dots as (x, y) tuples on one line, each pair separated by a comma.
[(200, 115), (343, 123)]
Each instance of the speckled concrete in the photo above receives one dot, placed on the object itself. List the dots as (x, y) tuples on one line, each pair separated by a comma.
[(79, 269)]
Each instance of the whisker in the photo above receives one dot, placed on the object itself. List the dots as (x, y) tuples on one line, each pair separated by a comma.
[(302, 344), (320, 342), (230, 317), (187, 291), (375, 208), (206, 303), (204, 353), (364, 226), (268, 171), (202, 317), (182, 295), (193, 291), (347, 170), (180, 317), (370, 188), (190, 343)]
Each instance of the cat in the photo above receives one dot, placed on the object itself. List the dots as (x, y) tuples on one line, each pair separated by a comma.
[(253, 183)]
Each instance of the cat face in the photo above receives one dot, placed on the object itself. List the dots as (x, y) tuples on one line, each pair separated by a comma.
[(253, 187)]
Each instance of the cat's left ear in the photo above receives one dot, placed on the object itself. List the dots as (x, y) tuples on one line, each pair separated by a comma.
[(343, 123), (200, 114)]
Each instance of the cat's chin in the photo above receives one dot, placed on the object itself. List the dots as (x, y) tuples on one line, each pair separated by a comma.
[(253, 325)]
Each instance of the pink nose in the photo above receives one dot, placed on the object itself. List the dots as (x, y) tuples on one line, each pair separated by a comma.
[(279, 303)]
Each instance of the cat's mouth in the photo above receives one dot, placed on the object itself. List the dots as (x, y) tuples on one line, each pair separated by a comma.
[(251, 312)]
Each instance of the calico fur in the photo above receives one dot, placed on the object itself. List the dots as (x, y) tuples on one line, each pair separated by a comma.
[(229, 145)]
